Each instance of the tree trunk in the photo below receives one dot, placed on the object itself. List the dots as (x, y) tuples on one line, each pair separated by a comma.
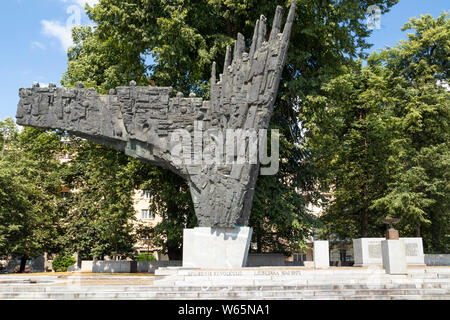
[(259, 239), (418, 231), (365, 214), (23, 263), (364, 222), (435, 233)]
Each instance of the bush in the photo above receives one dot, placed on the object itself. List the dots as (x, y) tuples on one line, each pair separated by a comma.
[(61, 263), (145, 257)]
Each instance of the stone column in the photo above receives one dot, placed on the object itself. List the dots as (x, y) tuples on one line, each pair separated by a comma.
[(394, 257), (205, 247), (321, 254), (393, 253)]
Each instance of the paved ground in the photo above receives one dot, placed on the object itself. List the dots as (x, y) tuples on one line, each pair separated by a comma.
[(77, 278)]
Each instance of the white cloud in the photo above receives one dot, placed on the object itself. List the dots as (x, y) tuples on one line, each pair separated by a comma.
[(38, 45), (62, 32), (82, 3)]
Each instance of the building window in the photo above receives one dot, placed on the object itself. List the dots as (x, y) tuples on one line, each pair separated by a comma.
[(147, 214), (299, 257), (146, 194)]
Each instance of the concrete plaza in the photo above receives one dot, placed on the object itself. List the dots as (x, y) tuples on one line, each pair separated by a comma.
[(299, 283)]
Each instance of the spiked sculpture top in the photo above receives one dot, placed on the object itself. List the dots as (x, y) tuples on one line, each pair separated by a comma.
[(140, 120)]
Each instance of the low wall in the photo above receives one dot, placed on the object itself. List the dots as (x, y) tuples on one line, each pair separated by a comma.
[(36, 264), (151, 266), (437, 259), (265, 260), (112, 266), (307, 264)]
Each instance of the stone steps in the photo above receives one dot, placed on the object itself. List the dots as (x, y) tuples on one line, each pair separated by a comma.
[(248, 283), (249, 294), (271, 287), (387, 291)]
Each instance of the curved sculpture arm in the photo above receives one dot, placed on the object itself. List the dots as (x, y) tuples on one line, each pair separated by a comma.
[(141, 120)]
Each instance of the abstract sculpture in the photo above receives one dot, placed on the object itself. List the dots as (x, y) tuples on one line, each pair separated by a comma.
[(140, 120)]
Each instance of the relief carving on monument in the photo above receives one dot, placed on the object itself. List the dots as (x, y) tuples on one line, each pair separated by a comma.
[(140, 120), (375, 251)]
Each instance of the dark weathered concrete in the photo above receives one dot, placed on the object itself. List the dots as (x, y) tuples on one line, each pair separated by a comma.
[(140, 120)]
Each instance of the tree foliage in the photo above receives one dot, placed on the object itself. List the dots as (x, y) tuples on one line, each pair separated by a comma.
[(381, 140), (100, 221), (416, 73), (30, 199)]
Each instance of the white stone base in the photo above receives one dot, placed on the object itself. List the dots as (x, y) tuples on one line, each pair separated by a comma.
[(321, 254), (394, 257), (205, 247), (367, 252)]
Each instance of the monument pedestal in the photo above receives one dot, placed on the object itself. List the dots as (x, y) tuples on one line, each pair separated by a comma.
[(321, 255), (205, 247), (367, 252), (394, 257)]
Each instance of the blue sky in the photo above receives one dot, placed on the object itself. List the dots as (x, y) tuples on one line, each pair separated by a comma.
[(35, 35)]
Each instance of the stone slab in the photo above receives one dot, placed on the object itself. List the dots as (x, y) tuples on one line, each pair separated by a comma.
[(265, 259), (111, 266), (152, 266), (321, 255), (86, 265), (394, 256), (437, 259), (367, 252), (206, 247)]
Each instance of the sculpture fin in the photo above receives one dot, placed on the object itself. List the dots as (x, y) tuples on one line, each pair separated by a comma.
[(262, 29), (289, 22), (213, 74), (227, 59), (254, 40), (276, 27), (239, 47)]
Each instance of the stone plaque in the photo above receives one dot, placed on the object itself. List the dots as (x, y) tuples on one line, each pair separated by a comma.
[(412, 249), (375, 251)]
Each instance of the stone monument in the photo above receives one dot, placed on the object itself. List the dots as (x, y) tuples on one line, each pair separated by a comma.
[(367, 252), (393, 250), (141, 121), (321, 254)]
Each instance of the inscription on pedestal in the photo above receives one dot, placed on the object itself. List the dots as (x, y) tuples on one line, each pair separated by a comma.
[(412, 249), (374, 251)]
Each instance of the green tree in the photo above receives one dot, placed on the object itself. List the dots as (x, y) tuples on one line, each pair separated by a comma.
[(416, 72), (350, 139), (381, 141), (29, 190), (100, 221)]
